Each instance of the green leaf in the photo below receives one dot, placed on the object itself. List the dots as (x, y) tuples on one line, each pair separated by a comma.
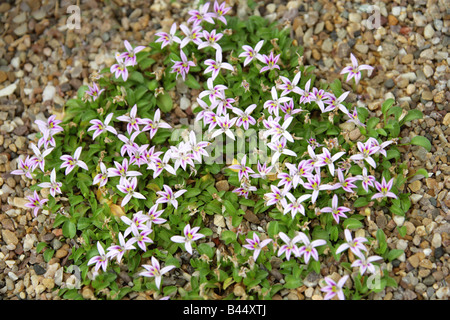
[(190, 193), (336, 87), (390, 282), (164, 102), (229, 207), (394, 254), (48, 254), (421, 141), (360, 202), (204, 248), (380, 236), (83, 223), (191, 82), (395, 209), (412, 115), (40, 246), (402, 231), (421, 172), (387, 105), (351, 223), (137, 77), (69, 229), (272, 228), (396, 111), (372, 123)]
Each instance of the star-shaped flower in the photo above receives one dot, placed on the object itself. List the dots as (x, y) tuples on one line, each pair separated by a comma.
[(189, 235), (154, 271), (168, 196), (70, 162), (354, 71), (256, 245)]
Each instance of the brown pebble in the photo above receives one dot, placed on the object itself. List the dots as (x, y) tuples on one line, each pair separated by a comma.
[(61, 253), (392, 20), (414, 260), (3, 76)]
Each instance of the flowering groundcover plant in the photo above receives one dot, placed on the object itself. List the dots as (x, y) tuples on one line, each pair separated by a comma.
[(138, 194)]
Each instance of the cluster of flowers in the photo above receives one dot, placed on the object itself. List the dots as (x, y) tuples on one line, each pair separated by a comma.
[(309, 250), (221, 116)]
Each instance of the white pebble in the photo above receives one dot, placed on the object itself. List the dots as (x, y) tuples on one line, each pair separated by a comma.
[(184, 103), (437, 240), (12, 276), (49, 93), (399, 220), (15, 62), (8, 90)]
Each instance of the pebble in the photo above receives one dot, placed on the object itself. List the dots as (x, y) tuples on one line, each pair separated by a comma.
[(49, 93), (9, 237), (222, 185), (327, 45), (21, 29), (436, 242), (428, 32), (184, 103)]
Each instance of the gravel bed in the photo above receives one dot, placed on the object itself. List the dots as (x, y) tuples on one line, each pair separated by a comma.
[(42, 64)]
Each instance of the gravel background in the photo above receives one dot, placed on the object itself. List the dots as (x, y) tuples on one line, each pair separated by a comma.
[(42, 64)]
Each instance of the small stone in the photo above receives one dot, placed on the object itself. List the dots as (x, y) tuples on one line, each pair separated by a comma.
[(406, 59), (443, 292), (354, 134), (392, 20), (38, 269), (250, 216), (414, 260), (238, 290), (21, 29), (311, 280), (309, 292), (343, 50), (87, 293), (389, 83), (354, 17), (427, 54), (61, 253), (428, 32), (9, 237), (446, 120), (401, 244), (39, 14), (439, 252), (48, 283), (184, 103), (399, 220), (3, 76), (49, 93), (381, 221), (327, 45), (316, 54), (437, 240), (410, 228), (420, 231), (363, 48), (8, 90), (410, 89), (439, 97), (222, 185), (425, 263), (292, 296), (428, 71)]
